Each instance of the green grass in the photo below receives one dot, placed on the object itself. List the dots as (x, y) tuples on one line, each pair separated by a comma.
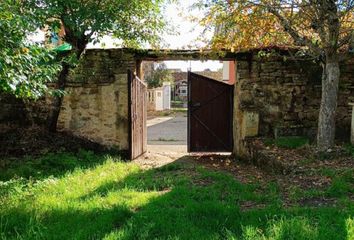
[(350, 149), (182, 110), (290, 142), (85, 196), (172, 112), (340, 187), (167, 139)]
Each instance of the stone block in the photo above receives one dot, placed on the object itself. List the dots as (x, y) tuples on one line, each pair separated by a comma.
[(250, 124)]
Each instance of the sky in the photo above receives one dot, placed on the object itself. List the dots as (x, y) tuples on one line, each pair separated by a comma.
[(185, 37), (188, 34)]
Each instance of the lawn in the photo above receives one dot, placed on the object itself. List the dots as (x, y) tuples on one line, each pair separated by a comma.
[(88, 196)]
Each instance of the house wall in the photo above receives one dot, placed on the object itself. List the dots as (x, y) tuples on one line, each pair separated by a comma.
[(151, 105), (159, 99), (232, 75), (229, 72), (166, 95), (226, 71), (274, 97)]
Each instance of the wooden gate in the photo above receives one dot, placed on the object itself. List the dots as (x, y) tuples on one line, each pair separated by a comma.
[(137, 112), (210, 114)]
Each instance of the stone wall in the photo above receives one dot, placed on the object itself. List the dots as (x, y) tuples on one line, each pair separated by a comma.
[(12, 109), (23, 111), (283, 96), (273, 96), (96, 104)]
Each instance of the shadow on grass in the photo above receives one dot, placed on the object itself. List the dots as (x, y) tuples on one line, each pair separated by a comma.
[(52, 164), (188, 202), (63, 224), (206, 205)]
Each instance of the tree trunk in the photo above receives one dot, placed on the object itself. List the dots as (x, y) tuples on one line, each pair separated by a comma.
[(326, 120), (58, 99), (79, 46)]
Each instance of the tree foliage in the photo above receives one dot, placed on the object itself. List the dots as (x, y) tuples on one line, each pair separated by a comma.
[(134, 22), (324, 29), (244, 24), (160, 75), (25, 67)]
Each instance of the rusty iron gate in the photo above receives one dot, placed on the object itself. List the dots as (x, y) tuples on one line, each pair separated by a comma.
[(137, 112), (210, 114)]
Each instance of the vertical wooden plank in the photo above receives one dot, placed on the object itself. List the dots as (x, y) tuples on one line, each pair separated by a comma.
[(189, 89), (138, 112), (130, 114), (145, 119)]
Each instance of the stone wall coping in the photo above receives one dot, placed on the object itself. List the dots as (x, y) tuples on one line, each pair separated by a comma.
[(194, 54)]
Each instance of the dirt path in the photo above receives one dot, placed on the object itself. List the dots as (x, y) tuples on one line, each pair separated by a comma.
[(155, 159)]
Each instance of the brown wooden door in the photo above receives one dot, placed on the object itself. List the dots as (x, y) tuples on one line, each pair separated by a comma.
[(210, 114), (137, 112)]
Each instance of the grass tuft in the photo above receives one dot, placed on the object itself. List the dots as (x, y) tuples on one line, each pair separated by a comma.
[(297, 228), (290, 142), (350, 149)]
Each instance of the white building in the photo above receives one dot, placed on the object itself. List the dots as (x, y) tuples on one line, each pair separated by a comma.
[(159, 99)]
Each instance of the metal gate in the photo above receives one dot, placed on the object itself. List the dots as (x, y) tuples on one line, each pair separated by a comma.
[(137, 112), (210, 114)]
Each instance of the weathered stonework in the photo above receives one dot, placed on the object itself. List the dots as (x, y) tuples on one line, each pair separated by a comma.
[(273, 96), (287, 96), (12, 109), (96, 104)]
